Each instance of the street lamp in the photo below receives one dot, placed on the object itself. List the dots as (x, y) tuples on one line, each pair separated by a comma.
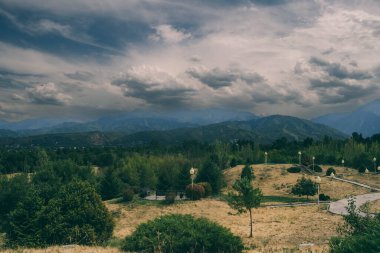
[(367, 173), (313, 163), (343, 163), (318, 180), (266, 157), (192, 175), (299, 157)]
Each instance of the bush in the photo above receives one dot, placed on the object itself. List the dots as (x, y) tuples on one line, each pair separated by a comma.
[(178, 233), (207, 187), (329, 171), (294, 170), (128, 194), (323, 197), (361, 168), (170, 198), (317, 168), (195, 192)]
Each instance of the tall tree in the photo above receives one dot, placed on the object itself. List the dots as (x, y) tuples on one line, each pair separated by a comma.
[(245, 198)]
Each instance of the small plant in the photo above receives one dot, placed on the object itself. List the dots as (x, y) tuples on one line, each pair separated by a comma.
[(178, 233), (323, 197), (329, 171), (294, 170), (195, 192), (170, 198), (317, 168), (128, 194), (207, 187)]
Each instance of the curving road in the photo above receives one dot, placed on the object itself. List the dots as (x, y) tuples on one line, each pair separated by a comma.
[(339, 207)]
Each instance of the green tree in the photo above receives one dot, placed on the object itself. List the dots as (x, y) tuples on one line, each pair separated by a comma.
[(245, 198), (247, 172), (111, 185), (76, 215), (304, 187), (23, 228), (211, 173)]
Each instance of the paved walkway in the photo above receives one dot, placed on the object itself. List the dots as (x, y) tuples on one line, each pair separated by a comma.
[(356, 183), (339, 207)]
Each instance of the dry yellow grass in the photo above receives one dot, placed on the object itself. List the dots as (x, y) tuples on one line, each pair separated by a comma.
[(274, 180), (274, 228), (374, 207)]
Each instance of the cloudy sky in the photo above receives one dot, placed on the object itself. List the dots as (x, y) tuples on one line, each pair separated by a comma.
[(87, 58)]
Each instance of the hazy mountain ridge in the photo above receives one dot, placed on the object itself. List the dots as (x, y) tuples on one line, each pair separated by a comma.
[(364, 120), (127, 123)]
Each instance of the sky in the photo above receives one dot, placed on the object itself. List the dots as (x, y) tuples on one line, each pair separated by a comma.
[(82, 59)]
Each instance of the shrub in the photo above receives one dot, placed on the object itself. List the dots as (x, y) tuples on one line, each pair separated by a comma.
[(317, 168), (128, 194), (195, 192), (323, 197), (170, 198), (211, 173), (329, 171), (361, 168), (294, 170), (178, 233), (207, 187)]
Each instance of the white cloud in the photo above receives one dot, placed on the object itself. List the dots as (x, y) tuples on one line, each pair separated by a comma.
[(48, 93), (169, 34)]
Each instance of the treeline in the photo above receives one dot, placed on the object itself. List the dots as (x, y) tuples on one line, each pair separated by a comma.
[(355, 151)]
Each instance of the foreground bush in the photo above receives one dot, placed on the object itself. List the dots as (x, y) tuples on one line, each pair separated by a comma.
[(76, 215), (294, 170), (360, 234), (178, 233)]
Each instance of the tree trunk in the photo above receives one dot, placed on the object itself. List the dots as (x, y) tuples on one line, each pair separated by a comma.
[(250, 217)]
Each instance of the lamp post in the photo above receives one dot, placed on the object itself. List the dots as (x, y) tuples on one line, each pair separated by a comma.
[(192, 175), (299, 157), (313, 163), (343, 163), (318, 181), (367, 173), (266, 157), (332, 175), (374, 164)]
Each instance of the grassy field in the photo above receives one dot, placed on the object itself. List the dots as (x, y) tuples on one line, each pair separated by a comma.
[(275, 229)]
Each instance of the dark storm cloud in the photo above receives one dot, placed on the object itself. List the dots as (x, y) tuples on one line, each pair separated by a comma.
[(162, 92), (339, 71), (80, 76), (337, 91), (217, 78)]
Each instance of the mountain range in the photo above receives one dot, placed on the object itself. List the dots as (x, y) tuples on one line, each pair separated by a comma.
[(138, 128), (364, 120), (262, 130)]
